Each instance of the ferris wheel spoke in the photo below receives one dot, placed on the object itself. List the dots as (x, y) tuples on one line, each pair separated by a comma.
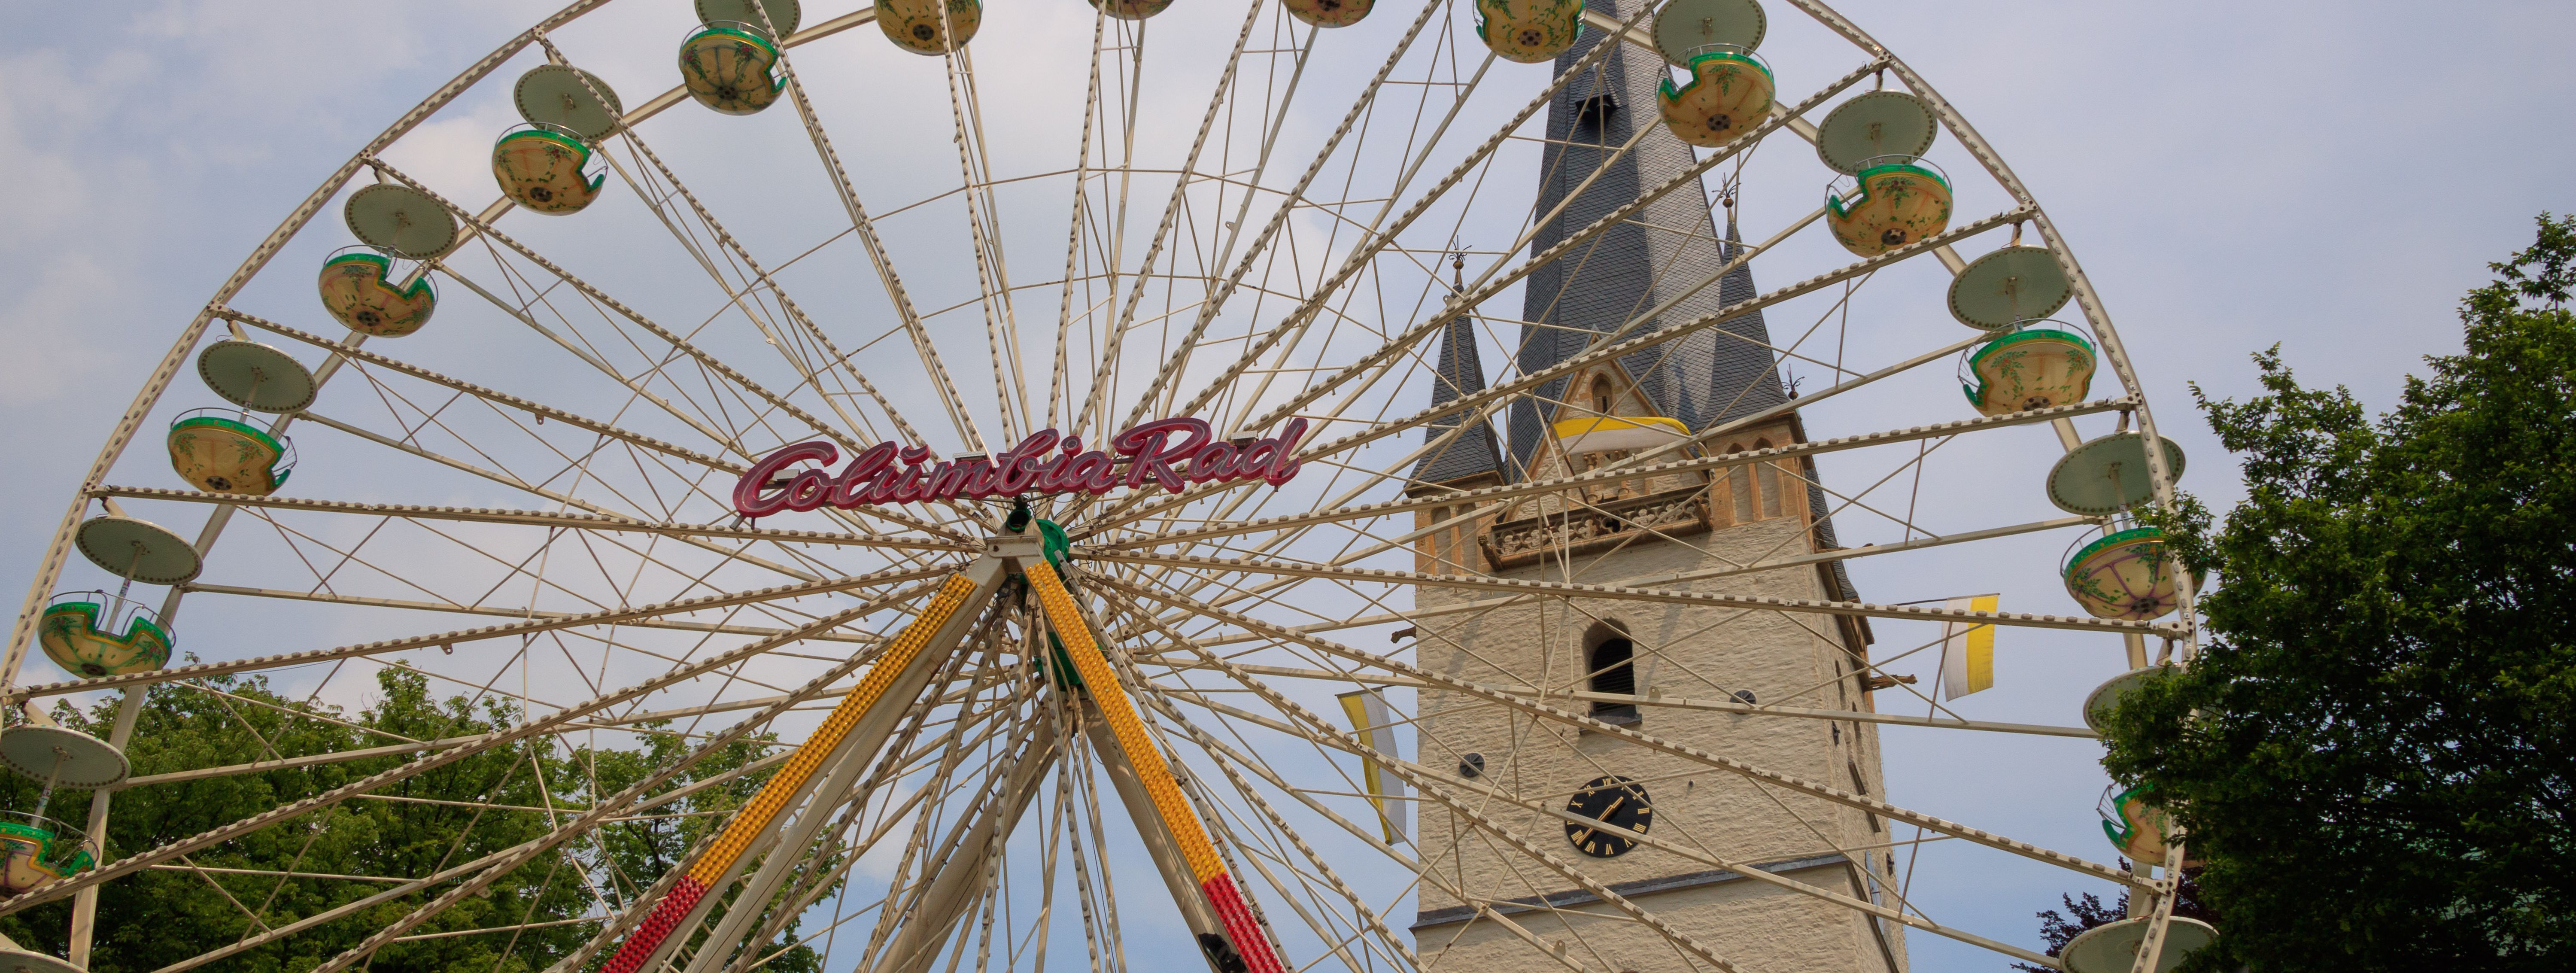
[(960, 879), (651, 107), (1207, 313), (918, 807), (870, 241), (423, 746), (637, 385), (506, 480), (845, 789), (854, 737), (1161, 700), (1227, 756), (1102, 388), (1232, 763), (1331, 737), (921, 904), (138, 861), (1694, 850), (1060, 372), (815, 885), (984, 234), (495, 397), (1178, 356), (1487, 583), (325, 580), (1317, 728), (2161, 475), (580, 825), (1371, 243), (622, 922), (404, 890), (1277, 539), (1625, 734), (763, 278), (1479, 501), (1511, 387), (634, 385), (1366, 250), (49, 570), (602, 299), (1732, 706), (1336, 941), (932, 798), (513, 630), (537, 518), (1494, 279)]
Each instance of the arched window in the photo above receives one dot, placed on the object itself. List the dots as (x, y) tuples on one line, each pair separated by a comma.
[(1614, 670), (1601, 394)]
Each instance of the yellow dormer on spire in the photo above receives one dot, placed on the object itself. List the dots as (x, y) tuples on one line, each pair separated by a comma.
[(1604, 434)]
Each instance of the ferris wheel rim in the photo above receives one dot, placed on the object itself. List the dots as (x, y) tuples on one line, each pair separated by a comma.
[(217, 309)]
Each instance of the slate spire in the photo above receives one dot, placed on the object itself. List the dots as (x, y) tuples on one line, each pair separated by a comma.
[(1658, 255), (1461, 371)]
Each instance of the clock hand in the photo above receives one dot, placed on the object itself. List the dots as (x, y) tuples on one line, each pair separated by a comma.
[(1605, 814)]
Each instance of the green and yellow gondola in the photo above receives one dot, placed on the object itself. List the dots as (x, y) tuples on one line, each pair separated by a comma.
[(35, 850), (1529, 31), (923, 26), (1890, 202), (80, 631), (1729, 91), (2138, 829), (2034, 365), (731, 67), (544, 169), (1329, 13), (2124, 574), (1131, 9), (218, 453), (357, 290)]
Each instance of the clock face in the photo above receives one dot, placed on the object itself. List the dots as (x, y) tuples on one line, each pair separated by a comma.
[(1616, 801)]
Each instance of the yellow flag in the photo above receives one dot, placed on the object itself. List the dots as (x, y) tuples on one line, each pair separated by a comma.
[(1375, 723), (1968, 651)]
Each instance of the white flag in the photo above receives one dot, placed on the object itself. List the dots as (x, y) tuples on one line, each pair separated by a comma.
[(1968, 651)]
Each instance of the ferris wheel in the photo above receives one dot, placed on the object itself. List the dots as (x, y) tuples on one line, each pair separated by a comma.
[(1059, 441)]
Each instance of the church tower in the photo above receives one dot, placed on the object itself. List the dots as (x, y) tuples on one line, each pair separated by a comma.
[(1622, 661)]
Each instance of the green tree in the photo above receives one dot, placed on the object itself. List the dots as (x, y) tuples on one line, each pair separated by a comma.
[(428, 823), (2373, 753)]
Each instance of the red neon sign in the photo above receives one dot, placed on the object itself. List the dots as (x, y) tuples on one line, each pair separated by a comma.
[(1170, 453)]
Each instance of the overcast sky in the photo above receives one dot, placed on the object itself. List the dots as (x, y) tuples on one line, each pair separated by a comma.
[(2325, 176)]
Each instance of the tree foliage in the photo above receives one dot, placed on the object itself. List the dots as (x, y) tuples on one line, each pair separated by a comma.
[(433, 822), (2373, 753)]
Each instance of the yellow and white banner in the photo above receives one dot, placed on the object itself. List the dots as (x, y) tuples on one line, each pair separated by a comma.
[(1374, 722), (1968, 651)]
